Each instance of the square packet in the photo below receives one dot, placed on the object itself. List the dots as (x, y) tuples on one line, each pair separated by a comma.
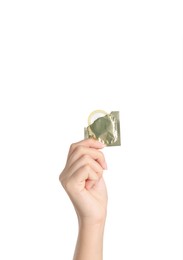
[(104, 128)]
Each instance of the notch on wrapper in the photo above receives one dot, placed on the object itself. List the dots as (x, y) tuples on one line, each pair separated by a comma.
[(104, 127)]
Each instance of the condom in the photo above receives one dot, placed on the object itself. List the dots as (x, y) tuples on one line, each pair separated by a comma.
[(104, 127)]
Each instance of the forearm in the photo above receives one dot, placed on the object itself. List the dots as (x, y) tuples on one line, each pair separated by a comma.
[(90, 242)]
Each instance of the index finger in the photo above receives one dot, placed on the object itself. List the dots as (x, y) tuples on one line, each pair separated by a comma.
[(90, 143)]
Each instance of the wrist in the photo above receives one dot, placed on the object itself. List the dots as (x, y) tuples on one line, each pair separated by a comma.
[(88, 222), (87, 225), (92, 231)]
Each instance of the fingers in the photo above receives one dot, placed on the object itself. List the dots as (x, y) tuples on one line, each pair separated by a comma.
[(81, 150), (85, 160), (84, 177), (90, 143), (85, 164)]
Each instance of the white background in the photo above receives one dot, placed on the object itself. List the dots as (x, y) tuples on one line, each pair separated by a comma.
[(59, 61)]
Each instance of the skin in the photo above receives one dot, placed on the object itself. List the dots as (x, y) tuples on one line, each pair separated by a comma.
[(82, 178)]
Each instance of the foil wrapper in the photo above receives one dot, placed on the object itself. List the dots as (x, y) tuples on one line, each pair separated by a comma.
[(106, 129)]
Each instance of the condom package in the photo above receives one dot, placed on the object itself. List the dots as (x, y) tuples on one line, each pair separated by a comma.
[(104, 127)]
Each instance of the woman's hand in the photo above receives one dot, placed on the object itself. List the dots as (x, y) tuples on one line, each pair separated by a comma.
[(83, 180)]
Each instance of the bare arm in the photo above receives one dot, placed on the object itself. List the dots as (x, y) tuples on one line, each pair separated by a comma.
[(83, 180)]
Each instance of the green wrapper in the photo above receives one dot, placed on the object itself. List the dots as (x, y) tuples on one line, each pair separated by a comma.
[(106, 129)]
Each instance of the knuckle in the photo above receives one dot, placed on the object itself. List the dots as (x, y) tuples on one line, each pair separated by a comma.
[(72, 147), (86, 158), (87, 167), (61, 178), (79, 149), (62, 181), (76, 149)]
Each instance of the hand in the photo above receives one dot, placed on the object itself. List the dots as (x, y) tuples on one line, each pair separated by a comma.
[(83, 180)]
